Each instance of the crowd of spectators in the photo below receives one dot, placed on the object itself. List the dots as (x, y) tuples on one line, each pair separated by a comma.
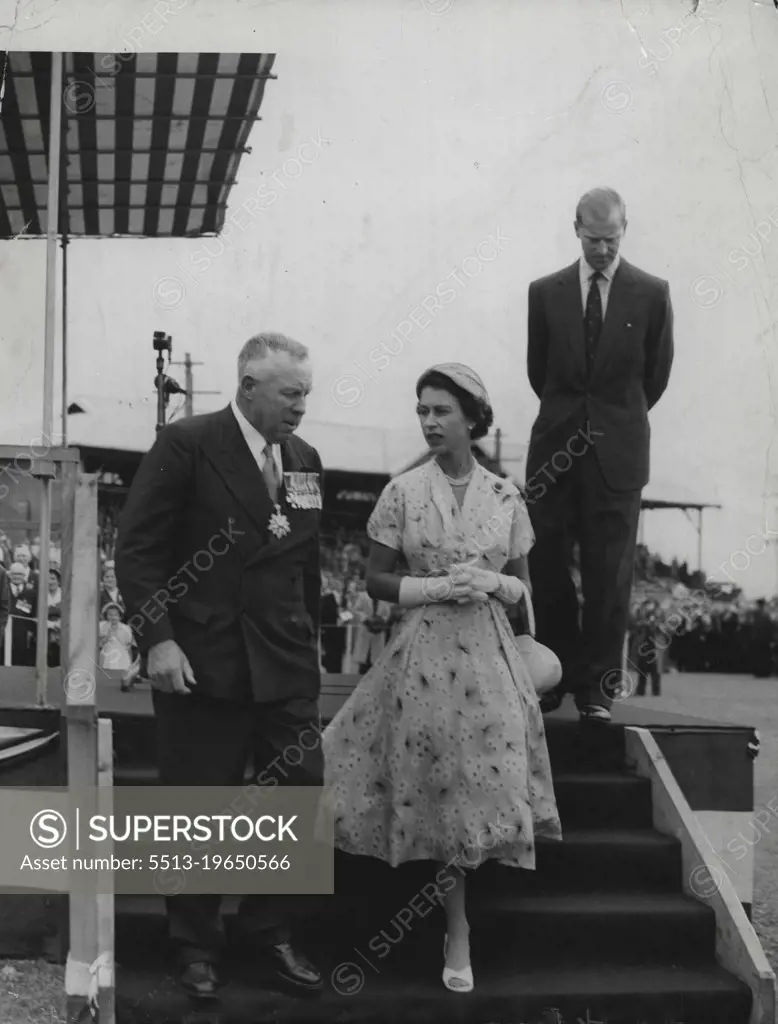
[(20, 585), (682, 621), (678, 620)]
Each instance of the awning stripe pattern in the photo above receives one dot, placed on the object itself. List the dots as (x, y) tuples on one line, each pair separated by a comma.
[(151, 142)]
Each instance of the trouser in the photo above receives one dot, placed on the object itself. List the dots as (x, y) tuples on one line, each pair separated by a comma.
[(645, 672), (579, 506), (207, 742)]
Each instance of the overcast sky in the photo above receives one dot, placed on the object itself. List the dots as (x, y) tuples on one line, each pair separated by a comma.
[(406, 153)]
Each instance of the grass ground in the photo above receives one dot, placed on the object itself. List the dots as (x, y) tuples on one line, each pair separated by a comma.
[(35, 993), (32, 992)]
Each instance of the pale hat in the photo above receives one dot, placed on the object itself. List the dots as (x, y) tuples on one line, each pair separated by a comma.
[(465, 377)]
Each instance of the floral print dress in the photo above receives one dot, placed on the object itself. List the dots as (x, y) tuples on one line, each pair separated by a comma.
[(441, 747)]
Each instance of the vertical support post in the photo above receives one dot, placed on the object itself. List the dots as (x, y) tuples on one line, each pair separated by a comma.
[(699, 538), (64, 340), (103, 988), (188, 386), (52, 225), (64, 225), (80, 683), (42, 632)]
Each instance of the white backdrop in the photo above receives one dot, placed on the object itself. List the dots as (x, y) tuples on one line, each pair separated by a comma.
[(399, 138)]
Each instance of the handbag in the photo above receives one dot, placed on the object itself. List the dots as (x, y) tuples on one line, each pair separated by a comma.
[(543, 666)]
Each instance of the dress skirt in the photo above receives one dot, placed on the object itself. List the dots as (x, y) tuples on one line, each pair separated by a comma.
[(440, 751)]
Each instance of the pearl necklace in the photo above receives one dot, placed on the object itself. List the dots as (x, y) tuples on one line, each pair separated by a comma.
[(459, 481)]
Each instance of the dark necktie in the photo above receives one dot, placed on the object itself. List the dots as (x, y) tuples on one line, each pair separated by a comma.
[(593, 319), (270, 473)]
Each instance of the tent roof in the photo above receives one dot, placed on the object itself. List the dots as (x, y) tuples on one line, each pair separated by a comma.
[(110, 424), (151, 141), (662, 493), (98, 422)]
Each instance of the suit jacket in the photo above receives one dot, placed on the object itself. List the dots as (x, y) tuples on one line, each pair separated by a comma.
[(630, 372), (105, 598), (196, 563), (24, 605)]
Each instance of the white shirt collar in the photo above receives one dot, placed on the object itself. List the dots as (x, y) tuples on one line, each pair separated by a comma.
[(586, 271), (249, 431)]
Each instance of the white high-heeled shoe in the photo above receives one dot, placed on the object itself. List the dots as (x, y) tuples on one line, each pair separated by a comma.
[(457, 981)]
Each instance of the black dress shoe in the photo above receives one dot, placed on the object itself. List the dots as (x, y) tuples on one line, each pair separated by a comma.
[(594, 713), (290, 966), (200, 980)]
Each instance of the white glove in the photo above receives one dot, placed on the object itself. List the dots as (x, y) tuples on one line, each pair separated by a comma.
[(508, 589), (421, 590)]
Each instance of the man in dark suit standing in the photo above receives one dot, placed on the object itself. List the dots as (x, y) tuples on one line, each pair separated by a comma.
[(23, 598), (218, 565), (600, 349)]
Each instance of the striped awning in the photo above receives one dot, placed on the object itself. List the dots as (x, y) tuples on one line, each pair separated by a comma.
[(151, 141)]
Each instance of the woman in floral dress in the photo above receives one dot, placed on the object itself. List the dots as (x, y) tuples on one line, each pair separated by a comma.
[(441, 746)]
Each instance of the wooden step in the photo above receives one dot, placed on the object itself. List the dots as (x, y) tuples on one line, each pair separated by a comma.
[(585, 799), (573, 748), (602, 800), (591, 928), (355, 993)]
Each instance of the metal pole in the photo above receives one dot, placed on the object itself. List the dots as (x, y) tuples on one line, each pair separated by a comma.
[(189, 396), (699, 539), (64, 224), (52, 225), (160, 382)]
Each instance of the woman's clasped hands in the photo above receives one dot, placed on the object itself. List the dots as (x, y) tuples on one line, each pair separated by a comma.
[(472, 584)]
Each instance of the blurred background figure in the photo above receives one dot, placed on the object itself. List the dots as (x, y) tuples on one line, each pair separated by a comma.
[(54, 599), (109, 592), (359, 608), (24, 603), (23, 557), (648, 644), (115, 640), (333, 635), (372, 633), (5, 610), (763, 638)]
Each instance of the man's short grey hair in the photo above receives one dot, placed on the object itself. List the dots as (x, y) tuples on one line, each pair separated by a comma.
[(600, 201), (259, 345)]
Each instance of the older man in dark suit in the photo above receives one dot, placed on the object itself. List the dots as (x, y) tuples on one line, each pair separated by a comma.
[(218, 564), (600, 349)]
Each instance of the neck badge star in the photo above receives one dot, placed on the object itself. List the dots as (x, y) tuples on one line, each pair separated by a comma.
[(279, 525)]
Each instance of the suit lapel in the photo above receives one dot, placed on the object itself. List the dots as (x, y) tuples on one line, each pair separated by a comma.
[(569, 283), (233, 461), (620, 302)]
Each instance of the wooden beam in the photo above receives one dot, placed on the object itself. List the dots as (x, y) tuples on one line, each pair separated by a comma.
[(52, 227), (70, 476), (103, 988), (79, 614), (39, 450), (737, 947)]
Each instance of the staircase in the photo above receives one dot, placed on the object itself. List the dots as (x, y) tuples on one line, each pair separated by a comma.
[(601, 932)]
